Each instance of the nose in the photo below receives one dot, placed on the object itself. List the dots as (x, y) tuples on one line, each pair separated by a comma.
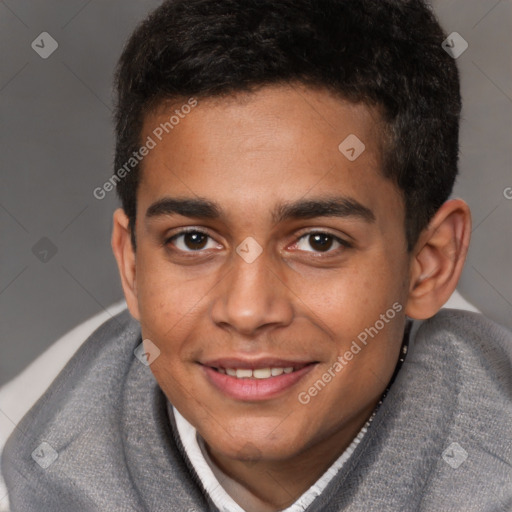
[(252, 297)]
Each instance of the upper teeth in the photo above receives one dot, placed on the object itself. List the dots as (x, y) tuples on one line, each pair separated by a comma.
[(257, 373)]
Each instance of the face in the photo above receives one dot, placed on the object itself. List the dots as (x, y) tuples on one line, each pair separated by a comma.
[(265, 255)]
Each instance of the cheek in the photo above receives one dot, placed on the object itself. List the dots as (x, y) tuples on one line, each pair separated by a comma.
[(164, 299), (348, 301)]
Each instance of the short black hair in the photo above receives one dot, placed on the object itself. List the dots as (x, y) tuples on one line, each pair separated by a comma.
[(385, 53)]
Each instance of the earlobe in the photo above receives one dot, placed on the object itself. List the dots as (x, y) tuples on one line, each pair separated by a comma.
[(125, 257), (438, 259)]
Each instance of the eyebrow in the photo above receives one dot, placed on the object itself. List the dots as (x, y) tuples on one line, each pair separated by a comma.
[(341, 206), (200, 208)]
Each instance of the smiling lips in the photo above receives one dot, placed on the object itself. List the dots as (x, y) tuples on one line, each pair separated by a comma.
[(254, 381), (257, 373)]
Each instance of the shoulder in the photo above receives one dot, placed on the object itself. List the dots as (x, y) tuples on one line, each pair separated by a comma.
[(446, 422), (480, 349), (466, 363), (86, 389)]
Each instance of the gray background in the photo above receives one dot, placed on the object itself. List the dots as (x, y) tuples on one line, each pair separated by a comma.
[(57, 146)]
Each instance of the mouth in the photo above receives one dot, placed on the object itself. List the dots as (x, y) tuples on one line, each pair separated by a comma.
[(255, 380), (258, 373)]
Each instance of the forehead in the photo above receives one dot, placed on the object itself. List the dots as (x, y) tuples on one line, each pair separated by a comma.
[(275, 145)]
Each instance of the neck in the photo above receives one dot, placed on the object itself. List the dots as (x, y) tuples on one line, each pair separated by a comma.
[(279, 483)]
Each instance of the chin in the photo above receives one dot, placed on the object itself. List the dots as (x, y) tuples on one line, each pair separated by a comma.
[(253, 446)]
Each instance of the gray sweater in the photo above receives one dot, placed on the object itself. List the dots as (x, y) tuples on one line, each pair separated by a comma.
[(100, 438)]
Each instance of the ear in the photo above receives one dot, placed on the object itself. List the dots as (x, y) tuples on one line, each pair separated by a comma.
[(438, 259), (125, 257)]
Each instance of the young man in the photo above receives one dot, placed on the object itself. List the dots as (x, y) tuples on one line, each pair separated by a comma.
[(284, 169)]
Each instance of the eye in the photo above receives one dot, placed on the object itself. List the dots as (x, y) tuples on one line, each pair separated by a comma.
[(192, 241), (320, 242)]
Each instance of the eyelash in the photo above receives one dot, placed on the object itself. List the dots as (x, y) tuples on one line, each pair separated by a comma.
[(343, 243)]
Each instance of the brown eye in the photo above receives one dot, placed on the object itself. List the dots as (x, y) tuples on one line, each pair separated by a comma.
[(320, 242), (190, 241), (195, 241)]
